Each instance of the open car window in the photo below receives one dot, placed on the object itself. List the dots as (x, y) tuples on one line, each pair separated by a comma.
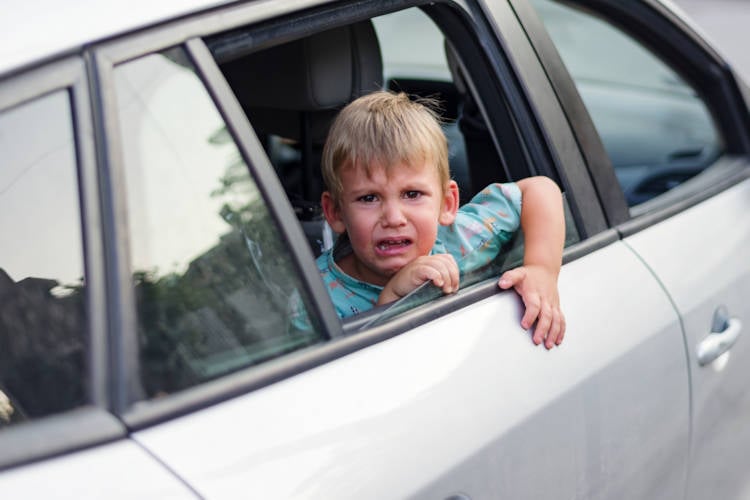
[(291, 93)]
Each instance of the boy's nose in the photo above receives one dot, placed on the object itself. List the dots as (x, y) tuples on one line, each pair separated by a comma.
[(393, 214)]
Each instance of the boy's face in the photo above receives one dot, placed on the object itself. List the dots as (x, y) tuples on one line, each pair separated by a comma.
[(391, 217)]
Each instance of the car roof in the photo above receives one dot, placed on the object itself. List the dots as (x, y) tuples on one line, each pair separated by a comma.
[(34, 30)]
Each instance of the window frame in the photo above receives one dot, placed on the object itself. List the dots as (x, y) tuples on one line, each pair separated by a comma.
[(668, 37), (92, 423), (547, 111), (270, 25), (127, 402)]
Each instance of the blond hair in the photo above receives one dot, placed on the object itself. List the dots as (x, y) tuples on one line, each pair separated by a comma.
[(381, 130)]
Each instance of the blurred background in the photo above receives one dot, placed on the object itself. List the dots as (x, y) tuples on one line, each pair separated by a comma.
[(725, 23)]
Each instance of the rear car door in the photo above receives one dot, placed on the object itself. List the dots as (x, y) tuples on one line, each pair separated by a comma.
[(57, 436), (688, 202), (449, 398)]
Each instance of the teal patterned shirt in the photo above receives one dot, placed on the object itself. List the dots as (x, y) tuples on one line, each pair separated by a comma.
[(475, 239)]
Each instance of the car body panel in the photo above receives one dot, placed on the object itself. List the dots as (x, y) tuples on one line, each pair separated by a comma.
[(415, 416), (712, 241), (120, 470), (84, 23), (460, 405)]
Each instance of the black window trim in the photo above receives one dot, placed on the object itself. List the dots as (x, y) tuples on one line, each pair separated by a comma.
[(602, 174), (121, 323), (488, 74), (553, 125), (91, 424)]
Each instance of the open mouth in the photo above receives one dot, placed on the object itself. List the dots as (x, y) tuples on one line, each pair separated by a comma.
[(394, 244)]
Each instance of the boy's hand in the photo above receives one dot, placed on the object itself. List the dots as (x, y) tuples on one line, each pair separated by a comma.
[(441, 269), (537, 287)]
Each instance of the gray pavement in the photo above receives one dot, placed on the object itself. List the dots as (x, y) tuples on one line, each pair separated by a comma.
[(726, 23)]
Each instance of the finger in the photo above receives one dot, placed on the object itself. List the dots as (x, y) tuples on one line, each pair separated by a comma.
[(427, 272), (434, 270), (563, 326), (554, 330), (445, 277), (531, 314), (511, 278), (437, 277), (543, 323), (453, 273), (533, 306), (446, 265)]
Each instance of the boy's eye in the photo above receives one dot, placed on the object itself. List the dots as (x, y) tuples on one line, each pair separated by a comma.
[(412, 195), (368, 198)]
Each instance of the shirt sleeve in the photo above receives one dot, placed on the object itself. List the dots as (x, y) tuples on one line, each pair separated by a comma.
[(482, 227)]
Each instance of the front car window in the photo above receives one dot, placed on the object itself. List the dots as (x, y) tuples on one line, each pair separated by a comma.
[(212, 277), (42, 293), (655, 128)]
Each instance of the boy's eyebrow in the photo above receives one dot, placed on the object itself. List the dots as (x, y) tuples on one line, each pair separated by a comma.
[(358, 191)]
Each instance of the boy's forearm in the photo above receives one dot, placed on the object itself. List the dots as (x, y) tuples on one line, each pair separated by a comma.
[(542, 222)]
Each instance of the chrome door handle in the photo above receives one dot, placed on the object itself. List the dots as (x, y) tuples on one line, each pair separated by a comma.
[(719, 342)]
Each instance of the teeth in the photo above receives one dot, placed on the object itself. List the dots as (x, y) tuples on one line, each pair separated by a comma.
[(390, 243)]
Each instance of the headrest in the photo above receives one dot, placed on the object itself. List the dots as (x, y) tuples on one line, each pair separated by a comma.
[(321, 72)]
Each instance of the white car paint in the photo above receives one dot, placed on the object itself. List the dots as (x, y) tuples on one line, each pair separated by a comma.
[(466, 404), (117, 471), (712, 241), (449, 407)]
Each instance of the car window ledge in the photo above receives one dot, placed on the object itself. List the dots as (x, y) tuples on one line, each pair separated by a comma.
[(727, 172)]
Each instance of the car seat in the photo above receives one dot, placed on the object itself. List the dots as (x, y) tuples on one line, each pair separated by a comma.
[(292, 92)]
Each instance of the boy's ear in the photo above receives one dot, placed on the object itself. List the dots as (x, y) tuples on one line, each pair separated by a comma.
[(332, 213), (450, 204)]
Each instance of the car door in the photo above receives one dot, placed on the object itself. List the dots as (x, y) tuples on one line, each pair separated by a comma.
[(57, 437), (448, 399), (693, 232)]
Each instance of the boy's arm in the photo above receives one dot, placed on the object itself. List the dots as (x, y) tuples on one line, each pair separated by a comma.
[(543, 225)]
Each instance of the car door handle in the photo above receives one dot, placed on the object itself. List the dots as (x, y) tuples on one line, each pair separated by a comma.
[(722, 337)]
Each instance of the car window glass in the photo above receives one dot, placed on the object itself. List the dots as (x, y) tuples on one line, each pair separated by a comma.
[(42, 293), (656, 129), (213, 279)]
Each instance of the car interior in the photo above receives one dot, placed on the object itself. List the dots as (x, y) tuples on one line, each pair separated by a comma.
[(292, 92)]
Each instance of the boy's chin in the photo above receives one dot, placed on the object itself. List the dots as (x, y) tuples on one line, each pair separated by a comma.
[(391, 272), (384, 275)]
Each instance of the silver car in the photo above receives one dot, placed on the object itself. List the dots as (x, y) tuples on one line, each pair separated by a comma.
[(159, 201)]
